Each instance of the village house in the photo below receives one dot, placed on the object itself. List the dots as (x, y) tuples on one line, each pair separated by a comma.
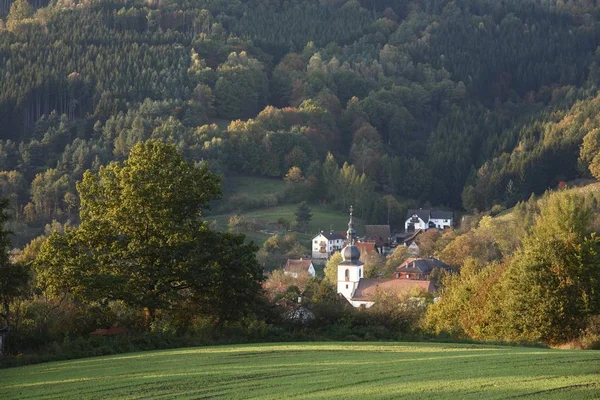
[(325, 244), (420, 269), (380, 234), (426, 219), (294, 268), (361, 292), (411, 242)]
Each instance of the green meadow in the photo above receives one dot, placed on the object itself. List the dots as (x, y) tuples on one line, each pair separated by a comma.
[(316, 371)]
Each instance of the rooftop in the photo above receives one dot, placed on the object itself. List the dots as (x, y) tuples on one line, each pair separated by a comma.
[(368, 288)]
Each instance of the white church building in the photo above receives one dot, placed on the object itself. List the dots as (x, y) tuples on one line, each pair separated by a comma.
[(361, 292)]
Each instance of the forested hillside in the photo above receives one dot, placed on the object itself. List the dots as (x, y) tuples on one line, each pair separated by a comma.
[(463, 104)]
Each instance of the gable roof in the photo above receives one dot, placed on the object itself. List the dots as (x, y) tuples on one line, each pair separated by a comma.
[(379, 233), (422, 265), (300, 265), (412, 237), (332, 235), (368, 288), (423, 214), (442, 214), (426, 215)]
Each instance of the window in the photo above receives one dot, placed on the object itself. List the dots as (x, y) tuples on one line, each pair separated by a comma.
[(407, 276), (346, 286), (316, 241), (360, 273), (347, 274)]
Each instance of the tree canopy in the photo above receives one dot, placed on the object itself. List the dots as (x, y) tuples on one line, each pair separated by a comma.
[(142, 240)]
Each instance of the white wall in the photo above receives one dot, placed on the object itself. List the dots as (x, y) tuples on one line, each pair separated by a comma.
[(442, 223), (366, 304), (330, 246), (347, 287), (418, 225)]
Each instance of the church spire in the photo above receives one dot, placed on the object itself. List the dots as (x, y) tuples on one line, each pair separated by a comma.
[(351, 232), (350, 253)]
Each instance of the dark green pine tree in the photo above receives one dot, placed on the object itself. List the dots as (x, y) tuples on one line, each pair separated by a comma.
[(303, 216)]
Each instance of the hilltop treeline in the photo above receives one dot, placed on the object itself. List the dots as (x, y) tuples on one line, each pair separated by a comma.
[(469, 103)]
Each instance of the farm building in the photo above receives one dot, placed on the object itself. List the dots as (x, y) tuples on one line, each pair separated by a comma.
[(295, 267)]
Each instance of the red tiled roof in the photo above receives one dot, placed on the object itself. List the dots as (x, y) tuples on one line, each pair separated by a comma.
[(368, 288), (366, 247)]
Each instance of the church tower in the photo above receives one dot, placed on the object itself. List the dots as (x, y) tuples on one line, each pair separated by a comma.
[(351, 269)]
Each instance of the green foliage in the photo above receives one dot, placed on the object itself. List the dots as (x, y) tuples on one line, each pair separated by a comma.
[(277, 249), (544, 291), (303, 216), (552, 284), (331, 268), (142, 240)]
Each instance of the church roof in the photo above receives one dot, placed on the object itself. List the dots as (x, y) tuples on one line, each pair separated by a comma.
[(368, 288)]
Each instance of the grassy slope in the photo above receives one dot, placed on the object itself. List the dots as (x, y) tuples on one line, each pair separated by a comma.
[(586, 187), (316, 371), (323, 219)]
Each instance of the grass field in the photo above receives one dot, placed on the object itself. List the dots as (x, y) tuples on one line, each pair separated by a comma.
[(323, 219), (316, 371)]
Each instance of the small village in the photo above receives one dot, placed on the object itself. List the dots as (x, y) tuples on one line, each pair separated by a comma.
[(412, 275)]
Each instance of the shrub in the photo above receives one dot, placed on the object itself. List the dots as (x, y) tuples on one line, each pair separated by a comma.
[(590, 339)]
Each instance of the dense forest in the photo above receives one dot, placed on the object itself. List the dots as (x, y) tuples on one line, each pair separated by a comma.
[(464, 104), (121, 122)]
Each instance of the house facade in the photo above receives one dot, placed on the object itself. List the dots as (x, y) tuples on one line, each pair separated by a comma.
[(427, 219), (325, 244)]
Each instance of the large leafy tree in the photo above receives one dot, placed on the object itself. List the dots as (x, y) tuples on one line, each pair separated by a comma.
[(142, 239), (553, 284)]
